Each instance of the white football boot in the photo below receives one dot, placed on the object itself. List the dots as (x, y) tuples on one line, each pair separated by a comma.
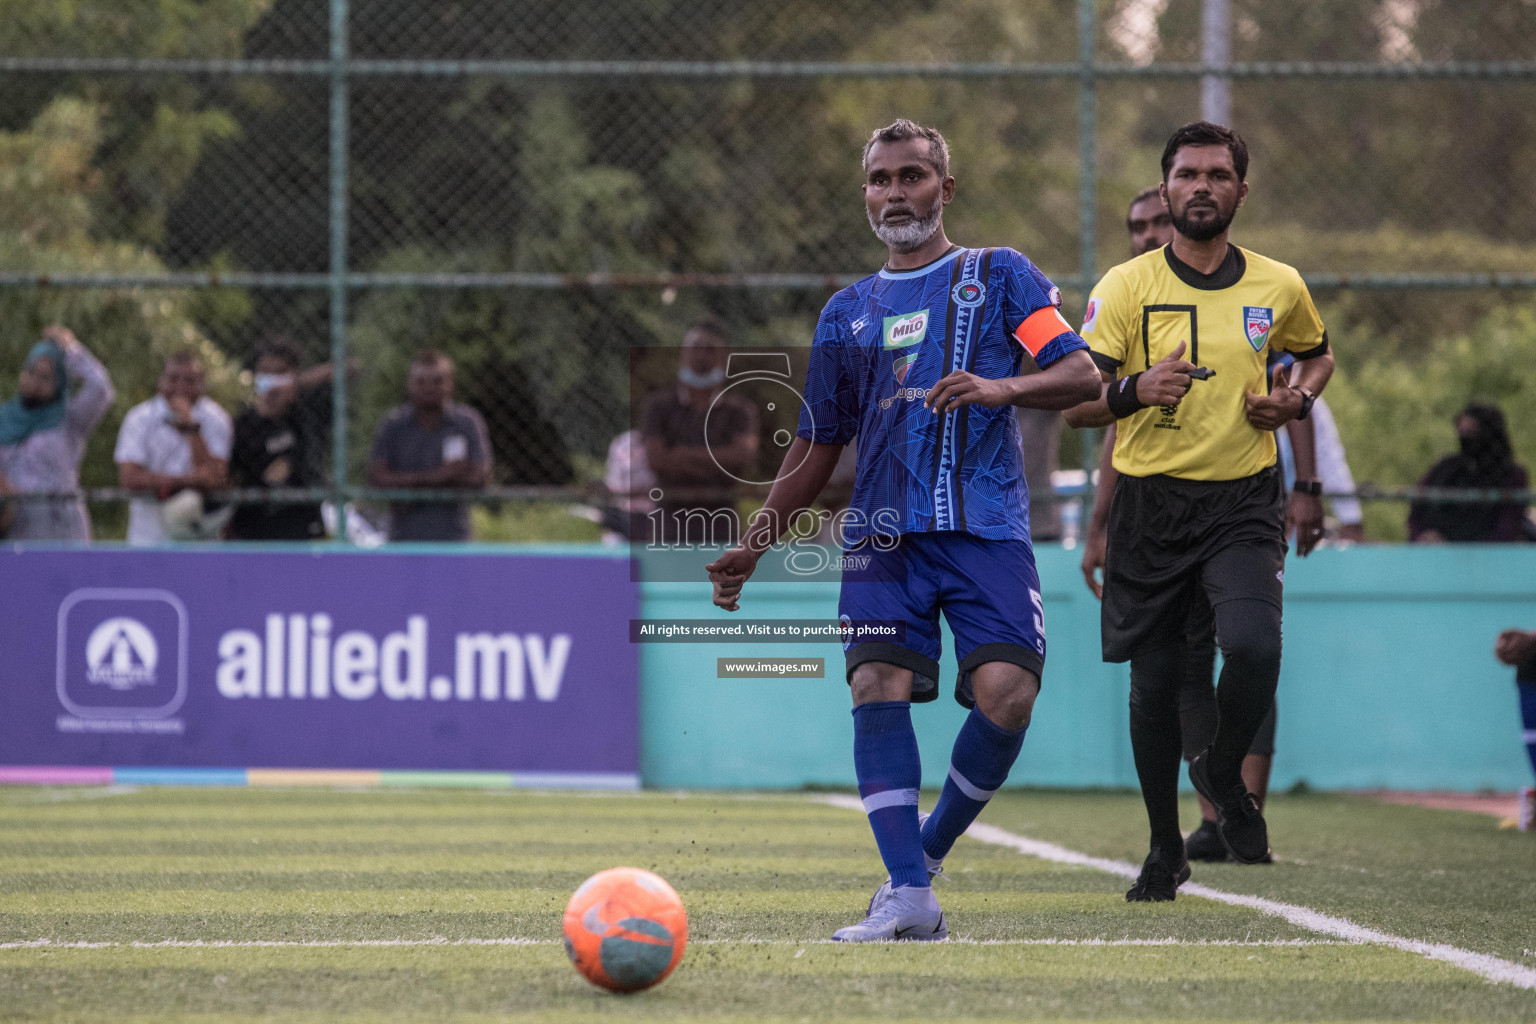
[(935, 870), (906, 915)]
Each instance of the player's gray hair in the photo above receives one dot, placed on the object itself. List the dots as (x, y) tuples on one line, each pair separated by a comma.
[(900, 130)]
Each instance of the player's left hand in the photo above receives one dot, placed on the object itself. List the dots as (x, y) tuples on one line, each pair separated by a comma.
[(1304, 520), (729, 573), (963, 388), (1276, 409)]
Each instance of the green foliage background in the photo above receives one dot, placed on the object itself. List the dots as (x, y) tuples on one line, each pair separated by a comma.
[(147, 173)]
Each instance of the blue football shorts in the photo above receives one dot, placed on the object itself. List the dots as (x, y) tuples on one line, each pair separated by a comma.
[(988, 591)]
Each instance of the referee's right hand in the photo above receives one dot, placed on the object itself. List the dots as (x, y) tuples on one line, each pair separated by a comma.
[(1166, 382)]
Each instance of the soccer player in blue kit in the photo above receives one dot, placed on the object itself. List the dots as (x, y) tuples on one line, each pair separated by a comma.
[(921, 362)]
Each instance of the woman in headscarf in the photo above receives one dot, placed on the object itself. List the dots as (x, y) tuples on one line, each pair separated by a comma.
[(1487, 461), (43, 430)]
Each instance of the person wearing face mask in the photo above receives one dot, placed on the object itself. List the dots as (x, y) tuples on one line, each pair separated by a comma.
[(175, 443), (275, 446), (1486, 460), (694, 469), (43, 431)]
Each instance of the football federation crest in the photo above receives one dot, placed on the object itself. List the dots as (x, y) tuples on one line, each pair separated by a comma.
[(969, 294), (1091, 316), (1257, 320), (902, 364), (905, 329)]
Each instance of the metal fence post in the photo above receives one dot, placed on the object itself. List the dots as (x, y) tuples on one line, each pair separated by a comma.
[(338, 263), (1216, 51), (1087, 198)]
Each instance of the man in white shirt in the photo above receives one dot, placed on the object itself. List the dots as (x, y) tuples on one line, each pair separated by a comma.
[(178, 440)]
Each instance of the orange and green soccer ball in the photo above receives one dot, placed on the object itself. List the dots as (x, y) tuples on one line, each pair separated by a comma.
[(625, 929)]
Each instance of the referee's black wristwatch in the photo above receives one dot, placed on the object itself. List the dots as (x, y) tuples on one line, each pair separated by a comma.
[(1307, 398), (1312, 487)]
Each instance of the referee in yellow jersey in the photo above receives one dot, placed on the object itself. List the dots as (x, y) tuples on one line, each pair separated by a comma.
[(1181, 335)]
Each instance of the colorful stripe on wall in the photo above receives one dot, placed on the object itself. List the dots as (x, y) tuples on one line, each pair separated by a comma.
[(63, 775)]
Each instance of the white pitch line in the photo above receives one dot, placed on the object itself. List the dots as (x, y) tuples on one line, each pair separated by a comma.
[(438, 941), (54, 796), (1491, 967)]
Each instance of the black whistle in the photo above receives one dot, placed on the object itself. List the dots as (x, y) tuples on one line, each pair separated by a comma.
[(1201, 373)]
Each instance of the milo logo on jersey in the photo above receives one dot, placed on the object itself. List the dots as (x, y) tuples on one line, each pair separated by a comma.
[(1257, 320), (905, 329)]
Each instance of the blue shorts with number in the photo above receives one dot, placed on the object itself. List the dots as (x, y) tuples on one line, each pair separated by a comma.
[(988, 591)]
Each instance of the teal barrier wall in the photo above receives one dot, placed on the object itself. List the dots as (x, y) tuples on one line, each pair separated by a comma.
[(1389, 681)]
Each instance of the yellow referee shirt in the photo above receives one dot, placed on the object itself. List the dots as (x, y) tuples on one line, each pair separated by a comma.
[(1229, 321)]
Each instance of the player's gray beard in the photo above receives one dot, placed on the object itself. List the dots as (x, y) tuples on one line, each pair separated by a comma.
[(911, 235)]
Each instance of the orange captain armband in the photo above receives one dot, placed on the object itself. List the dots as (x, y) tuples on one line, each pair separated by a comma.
[(1040, 328)]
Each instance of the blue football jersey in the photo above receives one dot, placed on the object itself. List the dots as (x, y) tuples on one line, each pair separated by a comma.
[(880, 347)]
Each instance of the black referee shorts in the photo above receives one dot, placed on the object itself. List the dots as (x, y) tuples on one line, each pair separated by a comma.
[(1176, 543)]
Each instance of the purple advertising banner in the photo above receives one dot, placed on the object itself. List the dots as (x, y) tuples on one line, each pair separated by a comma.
[(328, 660)]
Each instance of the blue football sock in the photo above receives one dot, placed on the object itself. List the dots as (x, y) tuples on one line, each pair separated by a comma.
[(984, 752), (885, 759), (1528, 717)]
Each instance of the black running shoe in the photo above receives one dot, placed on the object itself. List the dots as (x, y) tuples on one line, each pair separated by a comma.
[(1238, 817), (1204, 843), (1158, 882)]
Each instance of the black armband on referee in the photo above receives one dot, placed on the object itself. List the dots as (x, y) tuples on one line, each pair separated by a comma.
[(1121, 397)]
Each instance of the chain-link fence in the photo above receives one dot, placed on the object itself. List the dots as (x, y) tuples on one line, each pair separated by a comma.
[(536, 189)]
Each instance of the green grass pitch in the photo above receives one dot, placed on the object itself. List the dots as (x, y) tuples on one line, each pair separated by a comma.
[(444, 906)]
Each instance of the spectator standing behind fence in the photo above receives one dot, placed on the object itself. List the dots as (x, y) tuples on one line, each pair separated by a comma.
[(176, 442), (630, 481), (432, 442), (274, 445), (43, 430), (1486, 461), (1332, 470), (698, 504)]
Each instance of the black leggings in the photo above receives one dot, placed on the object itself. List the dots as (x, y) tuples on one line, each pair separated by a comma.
[(1248, 633)]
